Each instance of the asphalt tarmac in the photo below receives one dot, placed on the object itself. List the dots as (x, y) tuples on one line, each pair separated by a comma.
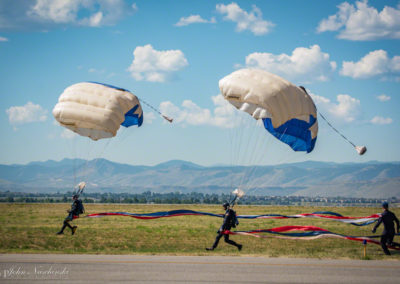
[(57, 268)]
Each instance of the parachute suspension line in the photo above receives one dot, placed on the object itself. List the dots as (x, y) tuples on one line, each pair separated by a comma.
[(360, 149), (84, 168), (125, 134), (247, 134), (92, 152), (254, 156), (156, 110), (234, 145), (288, 156), (74, 161), (236, 136), (252, 184), (231, 135)]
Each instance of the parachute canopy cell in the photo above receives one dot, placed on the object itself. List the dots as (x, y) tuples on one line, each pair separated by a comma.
[(97, 110), (286, 110)]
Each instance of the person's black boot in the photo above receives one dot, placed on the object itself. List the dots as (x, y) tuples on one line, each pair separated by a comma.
[(62, 229)]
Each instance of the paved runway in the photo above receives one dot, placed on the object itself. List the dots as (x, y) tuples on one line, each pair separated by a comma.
[(53, 268)]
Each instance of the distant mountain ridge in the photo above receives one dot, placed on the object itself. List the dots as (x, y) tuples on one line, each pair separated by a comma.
[(311, 178)]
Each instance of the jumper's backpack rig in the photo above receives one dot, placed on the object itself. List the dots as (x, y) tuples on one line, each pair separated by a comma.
[(81, 208), (234, 220), (78, 191), (238, 194)]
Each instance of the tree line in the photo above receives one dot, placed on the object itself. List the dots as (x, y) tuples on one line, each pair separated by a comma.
[(149, 197)]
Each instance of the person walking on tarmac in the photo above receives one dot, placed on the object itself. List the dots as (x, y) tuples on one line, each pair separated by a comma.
[(387, 218), (229, 222), (73, 213)]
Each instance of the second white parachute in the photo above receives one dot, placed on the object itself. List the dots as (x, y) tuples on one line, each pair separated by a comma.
[(287, 111), (97, 110)]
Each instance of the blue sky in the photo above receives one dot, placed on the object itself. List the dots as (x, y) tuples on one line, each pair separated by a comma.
[(172, 55)]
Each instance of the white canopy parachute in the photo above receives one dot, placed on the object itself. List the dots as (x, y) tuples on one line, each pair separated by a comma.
[(97, 110), (286, 110)]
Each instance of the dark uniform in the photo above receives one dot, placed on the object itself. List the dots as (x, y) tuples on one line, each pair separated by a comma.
[(387, 218), (229, 217), (76, 208)]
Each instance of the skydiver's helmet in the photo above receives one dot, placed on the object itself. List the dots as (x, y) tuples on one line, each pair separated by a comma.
[(385, 205), (226, 205)]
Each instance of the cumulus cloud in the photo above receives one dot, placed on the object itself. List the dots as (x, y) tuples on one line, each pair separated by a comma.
[(251, 21), (373, 64), (155, 66), (3, 38), (381, 120), (223, 115), (363, 22), (193, 19), (30, 112), (304, 64), (346, 109), (47, 13), (383, 98)]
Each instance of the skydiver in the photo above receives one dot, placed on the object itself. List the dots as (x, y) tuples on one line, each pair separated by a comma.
[(73, 213), (229, 222), (388, 233)]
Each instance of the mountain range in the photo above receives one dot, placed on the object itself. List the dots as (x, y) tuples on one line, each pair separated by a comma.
[(370, 180)]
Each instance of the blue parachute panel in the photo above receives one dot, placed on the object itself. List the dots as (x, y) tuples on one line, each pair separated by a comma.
[(132, 118), (294, 132)]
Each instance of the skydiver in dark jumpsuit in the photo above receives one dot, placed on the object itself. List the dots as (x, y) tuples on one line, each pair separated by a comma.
[(73, 213), (387, 218), (226, 225)]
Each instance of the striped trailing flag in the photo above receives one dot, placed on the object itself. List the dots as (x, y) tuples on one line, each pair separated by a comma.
[(356, 221), (304, 233)]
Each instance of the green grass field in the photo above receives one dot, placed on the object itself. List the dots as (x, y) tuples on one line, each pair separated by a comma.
[(31, 228)]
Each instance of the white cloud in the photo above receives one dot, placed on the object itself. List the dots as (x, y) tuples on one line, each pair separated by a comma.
[(3, 39), (346, 109), (383, 98), (155, 66), (224, 114), (57, 11), (373, 64), (47, 13), (193, 19), (305, 64), (30, 112), (363, 22), (335, 22), (252, 21), (381, 120)]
